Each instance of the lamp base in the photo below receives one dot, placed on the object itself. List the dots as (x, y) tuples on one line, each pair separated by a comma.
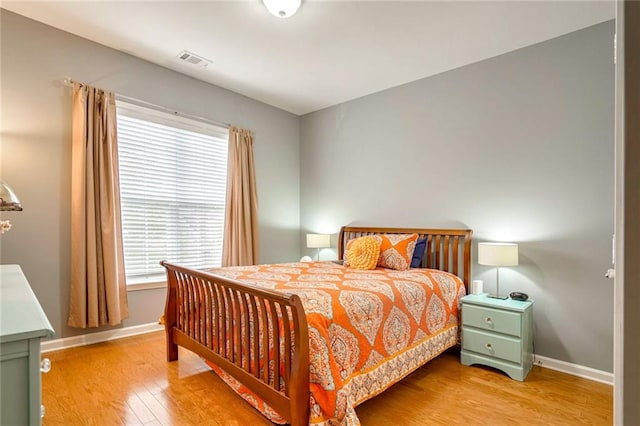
[(495, 296)]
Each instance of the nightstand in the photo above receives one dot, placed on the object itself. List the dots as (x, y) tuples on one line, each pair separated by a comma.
[(498, 333)]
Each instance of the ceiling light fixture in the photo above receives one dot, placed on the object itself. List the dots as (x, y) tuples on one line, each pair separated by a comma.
[(282, 8)]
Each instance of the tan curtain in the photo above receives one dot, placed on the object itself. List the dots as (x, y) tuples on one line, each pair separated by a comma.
[(240, 246), (98, 289)]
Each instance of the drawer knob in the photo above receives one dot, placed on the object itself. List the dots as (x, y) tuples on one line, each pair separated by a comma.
[(488, 320), (489, 347), (45, 365)]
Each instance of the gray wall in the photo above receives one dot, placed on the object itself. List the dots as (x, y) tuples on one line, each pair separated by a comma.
[(36, 152), (518, 148)]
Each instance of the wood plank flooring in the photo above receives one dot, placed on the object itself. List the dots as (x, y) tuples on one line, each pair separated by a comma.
[(128, 382)]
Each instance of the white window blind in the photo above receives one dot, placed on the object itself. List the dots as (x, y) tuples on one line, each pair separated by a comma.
[(173, 174)]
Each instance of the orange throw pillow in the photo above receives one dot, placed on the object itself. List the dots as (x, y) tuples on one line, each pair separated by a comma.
[(396, 250), (363, 253)]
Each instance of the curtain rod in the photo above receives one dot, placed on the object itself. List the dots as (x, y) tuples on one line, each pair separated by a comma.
[(69, 82)]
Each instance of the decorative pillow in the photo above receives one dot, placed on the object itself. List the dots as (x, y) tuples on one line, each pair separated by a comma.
[(363, 253), (396, 250), (418, 252)]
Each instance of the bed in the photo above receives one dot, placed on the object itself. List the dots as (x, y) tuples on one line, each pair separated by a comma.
[(305, 343)]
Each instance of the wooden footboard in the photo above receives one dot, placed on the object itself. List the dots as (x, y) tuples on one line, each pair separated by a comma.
[(257, 336)]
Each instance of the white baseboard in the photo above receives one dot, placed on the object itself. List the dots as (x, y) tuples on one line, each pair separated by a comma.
[(101, 336), (575, 369)]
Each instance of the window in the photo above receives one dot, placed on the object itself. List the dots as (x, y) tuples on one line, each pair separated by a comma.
[(173, 174)]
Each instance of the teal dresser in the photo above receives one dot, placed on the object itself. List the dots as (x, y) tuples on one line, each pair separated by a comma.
[(22, 325), (498, 333)]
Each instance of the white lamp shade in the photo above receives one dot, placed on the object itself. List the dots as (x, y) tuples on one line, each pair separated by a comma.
[(498, 254), (318, 240), (282, 8)]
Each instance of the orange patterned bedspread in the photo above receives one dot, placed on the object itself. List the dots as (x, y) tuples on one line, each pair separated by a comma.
[(367, 329)]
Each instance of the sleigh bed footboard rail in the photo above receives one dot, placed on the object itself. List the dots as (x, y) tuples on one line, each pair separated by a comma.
[(257, 336)]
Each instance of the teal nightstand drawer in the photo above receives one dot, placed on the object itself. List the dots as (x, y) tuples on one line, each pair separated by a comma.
[(492, 345), (490, 319)]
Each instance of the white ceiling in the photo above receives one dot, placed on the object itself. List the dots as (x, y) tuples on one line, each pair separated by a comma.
[(329, 52)]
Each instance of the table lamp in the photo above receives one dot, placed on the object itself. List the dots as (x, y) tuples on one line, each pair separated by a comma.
[(498, 254), (8, 202), (318, 241)]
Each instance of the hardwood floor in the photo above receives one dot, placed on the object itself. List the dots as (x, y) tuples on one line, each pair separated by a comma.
[(128, 382)]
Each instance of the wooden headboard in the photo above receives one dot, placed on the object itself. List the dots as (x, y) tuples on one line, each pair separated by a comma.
[(447, 249)]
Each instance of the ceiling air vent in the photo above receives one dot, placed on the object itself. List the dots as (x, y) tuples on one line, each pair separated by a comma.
[(191, 58)]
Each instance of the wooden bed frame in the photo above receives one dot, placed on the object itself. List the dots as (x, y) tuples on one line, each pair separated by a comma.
[(229, 323)]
